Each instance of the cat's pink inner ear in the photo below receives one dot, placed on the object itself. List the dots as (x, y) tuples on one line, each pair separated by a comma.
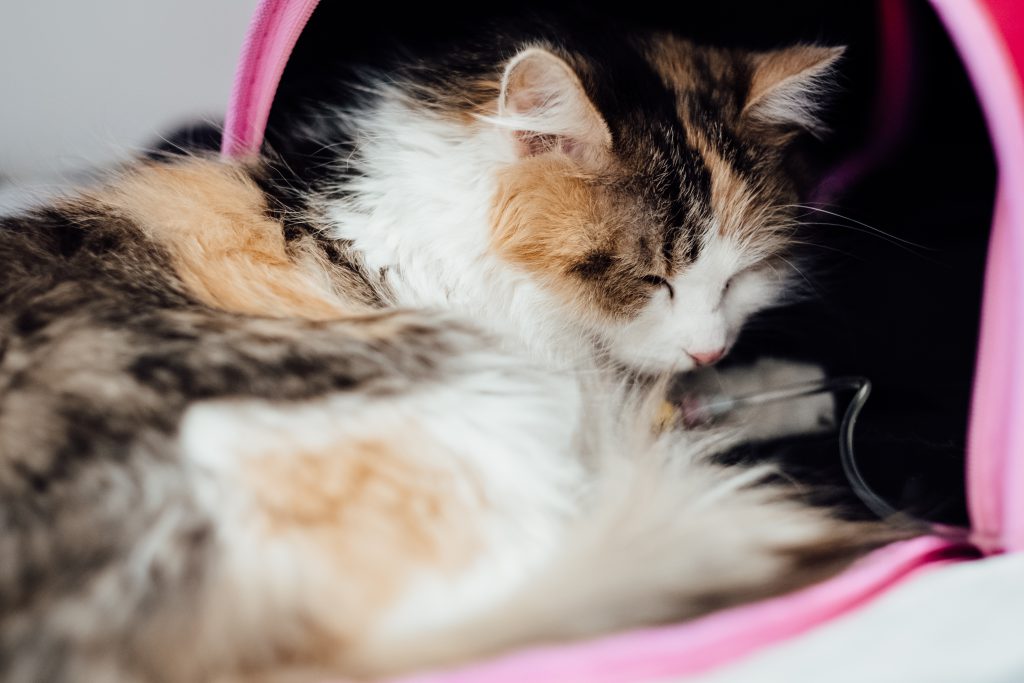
[(789, 86), (544, 104)]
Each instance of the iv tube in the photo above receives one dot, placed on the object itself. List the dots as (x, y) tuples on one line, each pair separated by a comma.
[(862, 388)]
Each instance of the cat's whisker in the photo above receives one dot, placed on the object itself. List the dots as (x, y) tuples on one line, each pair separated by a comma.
[(909, 248), (803, 276), (815, 245), (862, 224)]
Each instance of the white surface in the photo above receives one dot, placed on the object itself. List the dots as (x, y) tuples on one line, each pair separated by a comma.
[(960, 624), (83, 81)]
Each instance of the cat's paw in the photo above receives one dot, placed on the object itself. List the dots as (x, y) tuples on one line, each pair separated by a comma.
[(705, 399), (791, 417)]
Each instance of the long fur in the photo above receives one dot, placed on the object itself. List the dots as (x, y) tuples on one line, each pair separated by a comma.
[(399, 411)]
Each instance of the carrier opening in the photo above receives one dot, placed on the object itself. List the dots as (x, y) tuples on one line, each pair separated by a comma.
[(897, 243)]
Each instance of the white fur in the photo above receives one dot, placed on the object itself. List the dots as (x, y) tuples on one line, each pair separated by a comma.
[(503, 427), (420, 209)]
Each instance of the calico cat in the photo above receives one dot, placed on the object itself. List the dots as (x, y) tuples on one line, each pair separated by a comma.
[(384, 412)]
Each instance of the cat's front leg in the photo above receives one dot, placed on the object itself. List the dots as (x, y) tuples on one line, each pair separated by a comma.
[(709, 397)]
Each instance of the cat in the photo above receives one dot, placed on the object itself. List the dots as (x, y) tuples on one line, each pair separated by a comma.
[(270, 417)]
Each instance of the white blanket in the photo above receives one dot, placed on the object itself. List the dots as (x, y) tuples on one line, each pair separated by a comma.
[(959, 624)]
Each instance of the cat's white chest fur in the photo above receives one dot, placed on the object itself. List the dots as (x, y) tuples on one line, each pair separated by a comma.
[(419, 211)]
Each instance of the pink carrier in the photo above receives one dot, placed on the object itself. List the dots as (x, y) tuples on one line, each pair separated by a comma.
[(989, 35)]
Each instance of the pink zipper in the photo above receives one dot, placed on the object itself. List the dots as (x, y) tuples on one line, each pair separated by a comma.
[(715, 640), (995, 473), (988, 443), (273, 32)]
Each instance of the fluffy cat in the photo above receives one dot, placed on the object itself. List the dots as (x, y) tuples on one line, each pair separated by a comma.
[(382, 413)]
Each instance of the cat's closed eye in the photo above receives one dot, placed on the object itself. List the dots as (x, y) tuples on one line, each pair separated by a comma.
[(658, 281), (741, 275)]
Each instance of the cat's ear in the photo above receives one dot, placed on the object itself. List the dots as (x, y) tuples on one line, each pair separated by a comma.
[(545, 106), (789, 86)]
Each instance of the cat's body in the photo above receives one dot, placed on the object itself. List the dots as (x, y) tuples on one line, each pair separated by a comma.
[(382, 422)]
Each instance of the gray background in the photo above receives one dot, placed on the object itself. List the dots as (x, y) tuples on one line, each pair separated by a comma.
[(83, 82)]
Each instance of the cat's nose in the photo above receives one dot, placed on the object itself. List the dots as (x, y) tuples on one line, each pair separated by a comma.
[(707, 357)]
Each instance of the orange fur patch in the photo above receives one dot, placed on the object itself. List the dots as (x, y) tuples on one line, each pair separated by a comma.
[(549, 218), (360, 518), (546, 215), (353, 522), (375, 508), (212, 219)]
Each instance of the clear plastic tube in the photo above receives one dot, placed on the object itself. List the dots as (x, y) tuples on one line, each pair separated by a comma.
[(861, 386)]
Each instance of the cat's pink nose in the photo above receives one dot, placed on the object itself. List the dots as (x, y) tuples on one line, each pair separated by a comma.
[(707, 357)]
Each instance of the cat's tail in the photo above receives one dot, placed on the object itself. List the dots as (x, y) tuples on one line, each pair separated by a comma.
[(664, 535)]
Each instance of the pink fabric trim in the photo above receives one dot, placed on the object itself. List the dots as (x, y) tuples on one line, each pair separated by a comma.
[(715, 640), (273, 32), (995, 477)]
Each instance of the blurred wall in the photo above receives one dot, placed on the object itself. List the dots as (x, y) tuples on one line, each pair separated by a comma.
[(84, 81)]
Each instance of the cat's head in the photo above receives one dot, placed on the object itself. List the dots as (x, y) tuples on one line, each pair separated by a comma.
[(649, 194)]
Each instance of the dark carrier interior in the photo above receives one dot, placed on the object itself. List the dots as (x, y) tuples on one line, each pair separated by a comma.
[(895, 276)]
